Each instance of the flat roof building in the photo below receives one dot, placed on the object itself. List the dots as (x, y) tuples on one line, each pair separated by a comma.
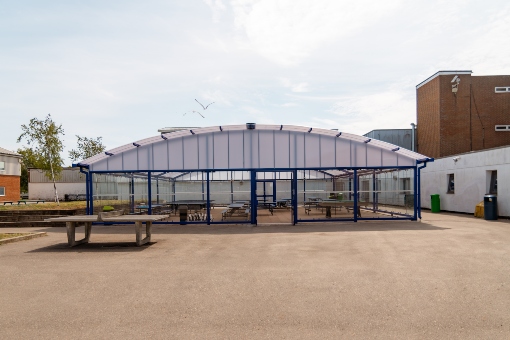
[(458, 112)]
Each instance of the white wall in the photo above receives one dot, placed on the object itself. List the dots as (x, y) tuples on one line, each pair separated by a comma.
[(45, 190), (12, 165), (472, 180)]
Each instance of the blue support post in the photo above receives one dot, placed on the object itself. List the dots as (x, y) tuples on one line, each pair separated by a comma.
[(253, 185), (149, 192), (294, 197), (355, 178), (87, 193), (415, 196), (208, 194), (374, 194), (157, 190), (274, 190), (419, 187), (91, 190)]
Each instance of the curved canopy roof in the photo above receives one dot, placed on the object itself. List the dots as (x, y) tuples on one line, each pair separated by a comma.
[(236, 147)]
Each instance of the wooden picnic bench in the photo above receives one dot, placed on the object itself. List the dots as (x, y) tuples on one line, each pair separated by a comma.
[(114, 216)]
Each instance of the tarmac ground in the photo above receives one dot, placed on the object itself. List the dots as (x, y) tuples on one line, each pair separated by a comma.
[(446, 277)]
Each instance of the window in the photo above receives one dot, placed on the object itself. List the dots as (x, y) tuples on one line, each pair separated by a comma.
[(502, 89), (493, 187), (2, 166), (405, 185), (451, 184), (502, 127), (2, 191)]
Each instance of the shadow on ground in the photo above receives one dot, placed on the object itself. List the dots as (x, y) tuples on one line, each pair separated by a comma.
[(94, 247), (300, 228)]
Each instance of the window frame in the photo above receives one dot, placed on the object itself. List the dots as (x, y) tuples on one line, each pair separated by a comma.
[(3, 191), (450, 179), (2, 166), (506, 89)]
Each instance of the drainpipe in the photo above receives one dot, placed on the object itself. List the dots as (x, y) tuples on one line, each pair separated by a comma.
[(419, 183), (413, 137)]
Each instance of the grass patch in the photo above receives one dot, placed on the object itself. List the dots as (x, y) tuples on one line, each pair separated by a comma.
[(11, 235), (46, 206)]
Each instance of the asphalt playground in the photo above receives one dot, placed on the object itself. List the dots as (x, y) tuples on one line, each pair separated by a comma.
[(445, 277)]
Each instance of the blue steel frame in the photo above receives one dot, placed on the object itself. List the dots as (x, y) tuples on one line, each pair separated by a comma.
[(253, 180)]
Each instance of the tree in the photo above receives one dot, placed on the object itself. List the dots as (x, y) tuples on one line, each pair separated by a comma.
[(44, 136), (87, 147), (27, 162)]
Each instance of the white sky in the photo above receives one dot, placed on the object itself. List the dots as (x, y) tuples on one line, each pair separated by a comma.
[(124, 69)]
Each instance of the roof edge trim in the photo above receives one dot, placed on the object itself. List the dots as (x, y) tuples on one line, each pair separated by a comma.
[(442, 73)]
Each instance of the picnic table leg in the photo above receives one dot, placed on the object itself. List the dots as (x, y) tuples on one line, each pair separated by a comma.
[(71, 234), (138, 229), (88, 231)]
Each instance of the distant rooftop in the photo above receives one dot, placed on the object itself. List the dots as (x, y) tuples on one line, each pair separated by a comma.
[(7, 152)]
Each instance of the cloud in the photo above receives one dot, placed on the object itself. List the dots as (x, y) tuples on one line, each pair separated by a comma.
[(217, 7), (359, 114), (288, 31), (289, 105), (295, 87)]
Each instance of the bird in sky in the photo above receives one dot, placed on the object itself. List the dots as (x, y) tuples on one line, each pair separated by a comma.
[(204, 107), (194, 112)]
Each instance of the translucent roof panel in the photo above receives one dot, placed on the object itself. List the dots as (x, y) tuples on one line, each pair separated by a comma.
[(235, 147)]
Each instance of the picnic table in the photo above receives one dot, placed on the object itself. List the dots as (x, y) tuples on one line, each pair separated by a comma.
[(235, 210), (267, 205), (328, 203), (191, 204), (146, 207), (74, 221)]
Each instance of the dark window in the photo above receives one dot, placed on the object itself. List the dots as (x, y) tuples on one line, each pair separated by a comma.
[(451, 184), (2, 191), (493, 189)]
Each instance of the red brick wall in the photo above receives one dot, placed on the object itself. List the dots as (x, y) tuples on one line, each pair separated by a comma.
[(455, 115), (12, 187), (427, 131), (493, 109), (451, 123)]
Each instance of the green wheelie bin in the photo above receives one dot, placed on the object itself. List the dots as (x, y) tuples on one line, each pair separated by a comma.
[(435, 203)]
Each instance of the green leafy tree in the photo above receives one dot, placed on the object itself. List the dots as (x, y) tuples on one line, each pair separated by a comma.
[(87, 147), (27, 162), (45, 146)]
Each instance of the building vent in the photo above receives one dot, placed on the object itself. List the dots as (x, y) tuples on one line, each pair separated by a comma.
[(502, 127), (502, 89)]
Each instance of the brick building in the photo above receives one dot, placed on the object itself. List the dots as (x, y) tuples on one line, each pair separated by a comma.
[(458, 113), (10, 173)]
